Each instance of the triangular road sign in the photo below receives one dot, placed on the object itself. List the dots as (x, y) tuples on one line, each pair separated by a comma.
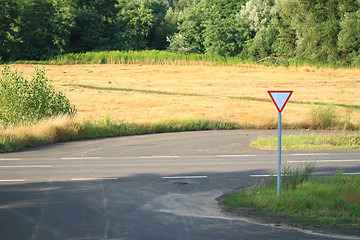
[(280, 98)]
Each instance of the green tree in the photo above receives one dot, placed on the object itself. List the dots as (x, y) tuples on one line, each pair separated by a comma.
[(86, 33), (8, 17), (191, 27), (316, 24), (214, 27), (62, 22), (42, 29), (170, 25), (225, 37), (135, 22), (285, 43), (161, 27), (225, 32), (94, 25), (349, 38), (35, 30), (261, 15)]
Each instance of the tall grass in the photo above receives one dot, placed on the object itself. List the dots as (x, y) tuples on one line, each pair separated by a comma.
[(64, 128), (141, 57), (53, 129), (324, 117), (165, 57)]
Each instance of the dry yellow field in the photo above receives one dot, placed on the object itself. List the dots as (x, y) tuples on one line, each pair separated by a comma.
[(213, 85)]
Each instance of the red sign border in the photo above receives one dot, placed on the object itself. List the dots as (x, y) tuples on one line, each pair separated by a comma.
[(280, 91)]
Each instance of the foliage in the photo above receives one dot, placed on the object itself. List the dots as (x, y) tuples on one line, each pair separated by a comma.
[(165, 23), (93, 25), (41, 29), (284, 32), (8, 15), (22, 100), (191, 28), (178, 44), (135, 23), (260, 15), (349, 38), (214, 27), (317, 26), (225, 33)]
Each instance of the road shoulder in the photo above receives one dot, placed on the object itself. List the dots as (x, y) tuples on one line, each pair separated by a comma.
[(284, 221)]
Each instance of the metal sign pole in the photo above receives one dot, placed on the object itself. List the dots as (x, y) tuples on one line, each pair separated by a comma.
[(279, 156), (280, 99)]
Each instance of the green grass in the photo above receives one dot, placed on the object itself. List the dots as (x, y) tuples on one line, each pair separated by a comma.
[(165, 57), (141, 57), (312, 141), (59, 129), (326, 201)]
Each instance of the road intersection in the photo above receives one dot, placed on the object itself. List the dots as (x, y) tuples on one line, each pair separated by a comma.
[(160, 186)]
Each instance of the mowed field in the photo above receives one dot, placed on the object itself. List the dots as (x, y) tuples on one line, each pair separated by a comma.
[(143, 93)]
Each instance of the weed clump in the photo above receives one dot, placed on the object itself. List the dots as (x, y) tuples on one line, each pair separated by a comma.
[(324, 117), (292, 177)]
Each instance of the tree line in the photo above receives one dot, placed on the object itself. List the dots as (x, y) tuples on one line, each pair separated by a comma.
[(314, 31)]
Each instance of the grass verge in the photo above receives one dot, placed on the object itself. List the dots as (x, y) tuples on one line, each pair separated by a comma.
[(63, 128), (332, 202), (312, 141)]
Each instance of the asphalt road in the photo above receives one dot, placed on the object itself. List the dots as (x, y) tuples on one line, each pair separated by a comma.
[(160, 186)]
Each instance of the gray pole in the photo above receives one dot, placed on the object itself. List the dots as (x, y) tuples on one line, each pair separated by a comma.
[(279, 156)]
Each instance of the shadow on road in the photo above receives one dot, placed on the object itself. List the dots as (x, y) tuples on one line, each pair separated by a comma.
[(137, 207)]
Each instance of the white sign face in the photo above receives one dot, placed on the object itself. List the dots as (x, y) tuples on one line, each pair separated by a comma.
[(280, 98)]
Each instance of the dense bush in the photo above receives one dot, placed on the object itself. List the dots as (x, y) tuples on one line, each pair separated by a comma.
[(22, 100)]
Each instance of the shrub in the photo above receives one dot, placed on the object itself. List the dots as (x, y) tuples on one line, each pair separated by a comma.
[(22, 100)]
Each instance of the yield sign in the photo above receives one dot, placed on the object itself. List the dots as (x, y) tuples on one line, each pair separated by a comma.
[(280, 98)]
